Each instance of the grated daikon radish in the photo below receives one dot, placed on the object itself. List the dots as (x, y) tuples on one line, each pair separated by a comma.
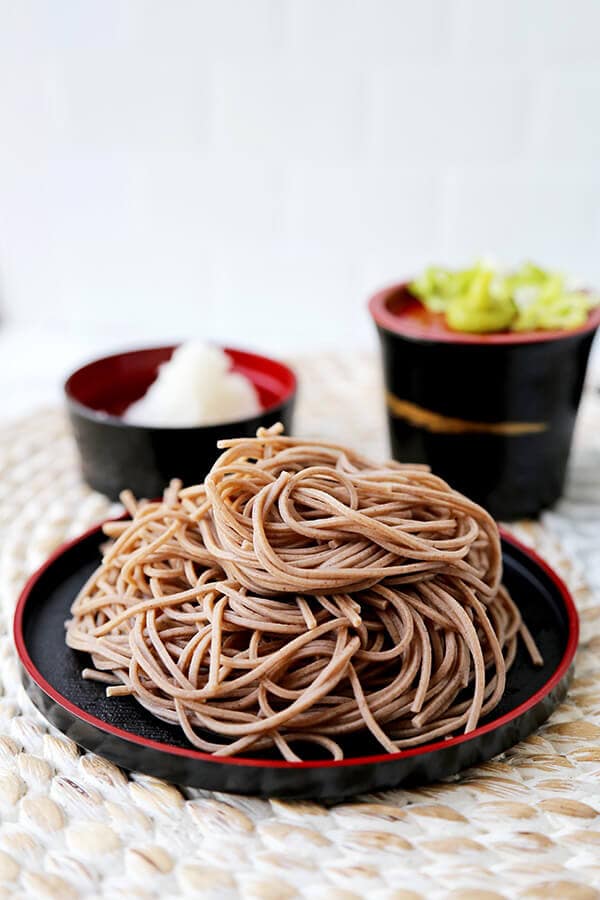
[(195, 387)]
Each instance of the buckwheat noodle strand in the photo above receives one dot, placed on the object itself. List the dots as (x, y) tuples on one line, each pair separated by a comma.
[(301, 594)]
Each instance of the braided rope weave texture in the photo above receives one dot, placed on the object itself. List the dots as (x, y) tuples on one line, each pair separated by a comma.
[(73, 825)]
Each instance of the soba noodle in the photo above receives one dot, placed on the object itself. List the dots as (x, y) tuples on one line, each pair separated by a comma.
[(303, 593)]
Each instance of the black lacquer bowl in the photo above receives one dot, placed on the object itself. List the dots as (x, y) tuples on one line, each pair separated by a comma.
[(492, 414), (116, 454), (125, 733)]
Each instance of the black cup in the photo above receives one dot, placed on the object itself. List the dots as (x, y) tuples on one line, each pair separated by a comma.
[(491, 414), (116, 454)]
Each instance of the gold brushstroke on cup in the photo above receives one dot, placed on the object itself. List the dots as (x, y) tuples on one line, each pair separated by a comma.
[(440, 424)]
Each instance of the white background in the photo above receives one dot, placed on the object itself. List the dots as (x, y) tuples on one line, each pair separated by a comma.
[(250, 170)]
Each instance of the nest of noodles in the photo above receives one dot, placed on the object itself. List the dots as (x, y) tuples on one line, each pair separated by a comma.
[(303, 593)]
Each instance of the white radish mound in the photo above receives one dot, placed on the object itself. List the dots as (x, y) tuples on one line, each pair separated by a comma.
[(196, 387)]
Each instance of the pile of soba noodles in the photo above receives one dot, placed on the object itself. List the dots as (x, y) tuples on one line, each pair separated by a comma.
[(299, 595)]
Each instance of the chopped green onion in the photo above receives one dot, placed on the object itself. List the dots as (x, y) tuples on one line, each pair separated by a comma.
[(482, 299)]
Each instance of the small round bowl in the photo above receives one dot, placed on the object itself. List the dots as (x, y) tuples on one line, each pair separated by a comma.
[(493, 414), (116, 454)]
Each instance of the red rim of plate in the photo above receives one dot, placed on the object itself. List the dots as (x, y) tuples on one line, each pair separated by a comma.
[(406, 327), (256, 360), (100, 724)]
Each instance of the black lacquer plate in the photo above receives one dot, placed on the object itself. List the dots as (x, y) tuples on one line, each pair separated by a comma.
[(125, 733)]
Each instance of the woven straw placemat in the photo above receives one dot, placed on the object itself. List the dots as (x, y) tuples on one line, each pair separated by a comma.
[(73, 825)]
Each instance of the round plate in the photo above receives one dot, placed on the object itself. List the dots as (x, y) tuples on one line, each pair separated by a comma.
[(122, 731)]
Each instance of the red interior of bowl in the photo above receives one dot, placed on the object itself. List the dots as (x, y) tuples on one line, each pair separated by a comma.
[(397, 310), (113, 383)]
